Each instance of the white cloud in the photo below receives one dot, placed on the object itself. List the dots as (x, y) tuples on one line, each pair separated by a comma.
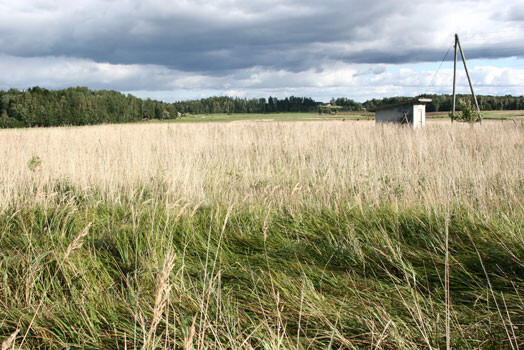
[(358, 81)]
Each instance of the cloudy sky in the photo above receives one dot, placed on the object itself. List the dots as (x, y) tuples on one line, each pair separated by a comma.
[(184, 49)]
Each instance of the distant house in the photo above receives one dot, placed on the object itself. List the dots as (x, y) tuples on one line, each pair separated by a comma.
[(412, 112)]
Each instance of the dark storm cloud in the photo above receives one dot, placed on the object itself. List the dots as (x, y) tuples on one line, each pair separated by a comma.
[(220, 39), (199, 48), (225, 36)]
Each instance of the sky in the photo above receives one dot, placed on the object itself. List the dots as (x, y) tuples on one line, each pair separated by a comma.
[(189, 49)]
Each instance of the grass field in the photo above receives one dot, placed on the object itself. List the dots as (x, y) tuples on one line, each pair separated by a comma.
[(311, 234), (495, 115), (342, 116), (267, 117)]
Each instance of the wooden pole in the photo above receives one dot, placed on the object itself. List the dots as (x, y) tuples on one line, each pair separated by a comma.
[(454, 79), (467, 75)]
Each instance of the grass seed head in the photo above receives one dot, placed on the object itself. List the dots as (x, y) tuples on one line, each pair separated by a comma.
[(77, 242)]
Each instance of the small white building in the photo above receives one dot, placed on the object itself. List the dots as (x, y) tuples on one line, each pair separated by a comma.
[(412, 112)]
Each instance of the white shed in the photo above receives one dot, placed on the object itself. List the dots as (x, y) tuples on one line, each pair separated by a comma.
[(412, 112)]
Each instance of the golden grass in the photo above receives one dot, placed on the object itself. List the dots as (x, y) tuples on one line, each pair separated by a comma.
[(198, 275), (289, 163)]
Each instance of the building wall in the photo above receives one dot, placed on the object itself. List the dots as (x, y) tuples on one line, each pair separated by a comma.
[(419, 112), (394, 114), (416, 115)]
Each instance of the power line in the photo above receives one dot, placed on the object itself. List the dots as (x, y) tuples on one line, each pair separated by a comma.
[(434, 75)]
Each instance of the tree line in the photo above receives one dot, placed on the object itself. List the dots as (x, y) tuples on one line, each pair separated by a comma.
[(76, 106), (444, 103), (226, 104), (80, 106)]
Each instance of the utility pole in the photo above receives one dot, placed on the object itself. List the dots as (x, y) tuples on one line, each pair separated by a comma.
[(457, 42), (454, 78)]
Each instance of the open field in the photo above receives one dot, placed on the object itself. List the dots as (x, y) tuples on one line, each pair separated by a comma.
[(321, 163), (496, 115), (270, 117), (346, 116), (317, 234)]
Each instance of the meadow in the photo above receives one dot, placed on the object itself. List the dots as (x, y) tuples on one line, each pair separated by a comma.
[(262, 234), (503, 116)]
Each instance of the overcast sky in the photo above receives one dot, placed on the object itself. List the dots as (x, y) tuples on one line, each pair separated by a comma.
[(184, 49)]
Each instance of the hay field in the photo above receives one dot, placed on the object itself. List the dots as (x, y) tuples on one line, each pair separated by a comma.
[(250, 235), (319, 163)]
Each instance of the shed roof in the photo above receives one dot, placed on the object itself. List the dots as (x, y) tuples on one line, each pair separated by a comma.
[(419, 100)]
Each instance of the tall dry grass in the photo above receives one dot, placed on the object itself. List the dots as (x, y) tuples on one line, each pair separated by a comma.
[(315, 162), (134, 246)]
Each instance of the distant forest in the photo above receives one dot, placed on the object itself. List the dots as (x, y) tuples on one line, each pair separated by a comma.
[(81, 106), (444, 103)]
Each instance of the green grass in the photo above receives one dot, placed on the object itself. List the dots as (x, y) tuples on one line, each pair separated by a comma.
[(269, 117), (248, 277), (346, 116), (496, 115)]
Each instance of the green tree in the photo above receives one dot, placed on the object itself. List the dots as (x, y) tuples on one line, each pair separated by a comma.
[(467, 113), (4, 118)]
